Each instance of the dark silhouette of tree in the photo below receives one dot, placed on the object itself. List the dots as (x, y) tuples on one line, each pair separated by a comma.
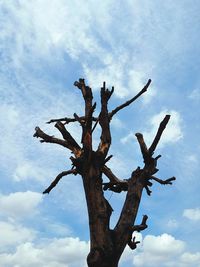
[(107, 245)]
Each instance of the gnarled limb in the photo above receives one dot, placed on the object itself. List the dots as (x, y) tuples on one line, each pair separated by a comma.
[(141, 226), (57, 179), (116, 185), (132, 243)]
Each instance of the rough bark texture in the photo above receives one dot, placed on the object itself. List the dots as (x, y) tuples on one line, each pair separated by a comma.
[(107, 245)]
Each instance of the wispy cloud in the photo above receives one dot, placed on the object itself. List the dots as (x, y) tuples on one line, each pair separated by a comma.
[(172, 134), (192, 214)]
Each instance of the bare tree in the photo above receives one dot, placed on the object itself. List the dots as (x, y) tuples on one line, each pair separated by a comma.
[(107, 245)]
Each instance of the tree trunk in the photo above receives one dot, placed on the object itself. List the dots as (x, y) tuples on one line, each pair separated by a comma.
[(102, 246), (96, 259)]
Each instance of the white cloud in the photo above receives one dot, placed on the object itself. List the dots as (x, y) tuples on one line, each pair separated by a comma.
[(191, 259), (13, 234), (28, 169), (162, 251), (158, 251), (20, 204), (127, 83), (172, 224), (192, 214), (63, 252)]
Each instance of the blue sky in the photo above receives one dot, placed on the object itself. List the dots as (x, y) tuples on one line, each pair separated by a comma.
[(45, 46)]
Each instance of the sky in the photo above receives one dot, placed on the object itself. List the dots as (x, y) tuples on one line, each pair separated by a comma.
[(47, 45)]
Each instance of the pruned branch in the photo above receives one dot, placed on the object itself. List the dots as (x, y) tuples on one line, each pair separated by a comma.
[(158, 134), (49, 139), (104, 121), (141, 226), (72, 144), (143, 147), (132, 243), (144, 89), (87, 94), (67, 120), (164, 182), (57, 179)]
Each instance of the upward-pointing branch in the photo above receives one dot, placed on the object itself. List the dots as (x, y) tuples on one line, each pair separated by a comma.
[(104, 121), (114, 111), (158, 134), (70, 140)]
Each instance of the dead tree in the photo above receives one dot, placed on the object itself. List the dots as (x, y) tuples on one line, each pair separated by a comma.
[(107, 245)]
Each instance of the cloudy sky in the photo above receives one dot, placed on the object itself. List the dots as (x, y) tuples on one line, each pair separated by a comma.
[(44, 47)]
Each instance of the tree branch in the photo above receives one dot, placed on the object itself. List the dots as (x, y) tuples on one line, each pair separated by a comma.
[(141, 226), (143, 147), (57, 179), (114, 111), (104, 121), (132, 243), (67, 120), (164, 182), (73, 145), (49, 139), (87, 94), (158, 134)]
